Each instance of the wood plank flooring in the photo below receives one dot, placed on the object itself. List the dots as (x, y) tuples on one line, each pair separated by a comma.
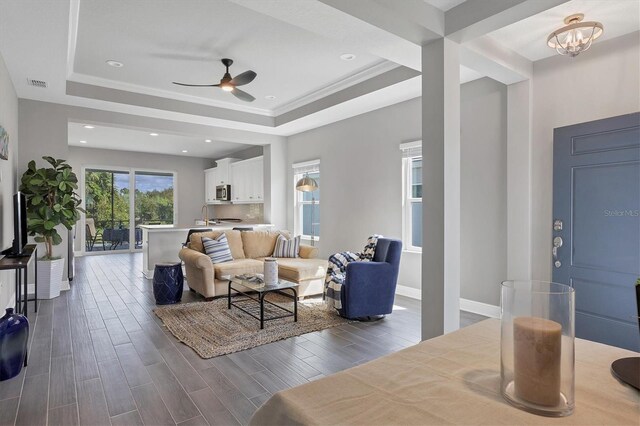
[(99, 356)]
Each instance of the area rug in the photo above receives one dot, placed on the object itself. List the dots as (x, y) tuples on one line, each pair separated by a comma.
[(211, 329)]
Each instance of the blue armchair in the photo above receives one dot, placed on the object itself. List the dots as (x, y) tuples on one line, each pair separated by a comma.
[(369, 287)]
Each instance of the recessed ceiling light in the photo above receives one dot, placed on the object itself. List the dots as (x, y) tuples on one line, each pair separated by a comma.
[(115, 64), (270, 97), (207, 140), (88, 126), (184, 150), (83, 141), (153, 134), (348, 57)]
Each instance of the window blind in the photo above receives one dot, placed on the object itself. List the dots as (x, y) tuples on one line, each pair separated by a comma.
[(411, 149), (306, 167)]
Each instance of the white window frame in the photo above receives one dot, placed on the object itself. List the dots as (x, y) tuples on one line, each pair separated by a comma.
[(299, 170), (410, 151)]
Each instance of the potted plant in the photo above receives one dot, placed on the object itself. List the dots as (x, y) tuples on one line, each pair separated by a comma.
[(51, 201)]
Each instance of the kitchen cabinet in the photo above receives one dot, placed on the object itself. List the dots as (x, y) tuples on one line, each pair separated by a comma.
[(223, 171), (215, 176), (210, 182), (247, 181)]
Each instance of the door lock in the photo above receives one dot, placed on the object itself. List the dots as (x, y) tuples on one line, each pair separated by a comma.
[(557, 225)]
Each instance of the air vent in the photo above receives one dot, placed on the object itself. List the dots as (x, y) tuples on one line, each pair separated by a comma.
[(37, 83)]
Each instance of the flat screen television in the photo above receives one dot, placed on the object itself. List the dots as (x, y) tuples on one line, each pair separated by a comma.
[(19, 227)]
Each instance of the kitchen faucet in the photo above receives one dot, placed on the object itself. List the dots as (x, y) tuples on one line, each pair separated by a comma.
[(204, 211)]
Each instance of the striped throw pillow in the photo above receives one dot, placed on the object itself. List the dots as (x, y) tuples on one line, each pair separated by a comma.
[(287, 247), (218, 250)]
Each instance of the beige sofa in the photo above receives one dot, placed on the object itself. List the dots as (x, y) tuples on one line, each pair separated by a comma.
[(248, 249)]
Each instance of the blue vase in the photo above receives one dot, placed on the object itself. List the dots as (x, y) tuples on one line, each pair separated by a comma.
[(14, 333), (167, 283)]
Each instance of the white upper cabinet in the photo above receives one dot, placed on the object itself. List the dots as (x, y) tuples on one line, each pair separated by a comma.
[(245, 177), (247, 181), (223, 171), (210, 182)]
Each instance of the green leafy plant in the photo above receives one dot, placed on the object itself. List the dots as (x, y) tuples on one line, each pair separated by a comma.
[(51, 201)]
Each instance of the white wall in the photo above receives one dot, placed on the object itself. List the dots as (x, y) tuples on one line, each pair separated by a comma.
[(43, 131), (361, 186), (360, 183), (8, 184), (602, 82), (483, 209)]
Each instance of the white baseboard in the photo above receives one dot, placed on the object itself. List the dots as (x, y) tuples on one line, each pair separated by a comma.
[(414, 293), (472, 306), (480, 308)]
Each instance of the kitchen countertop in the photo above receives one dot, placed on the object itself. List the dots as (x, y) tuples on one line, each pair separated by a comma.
[(228, 225)]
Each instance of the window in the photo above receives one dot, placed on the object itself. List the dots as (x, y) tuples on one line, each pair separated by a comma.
[(307, 204), (117, 202), (412, 195)]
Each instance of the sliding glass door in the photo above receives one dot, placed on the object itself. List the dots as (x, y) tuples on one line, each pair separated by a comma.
[(107, 205), (117, 202)]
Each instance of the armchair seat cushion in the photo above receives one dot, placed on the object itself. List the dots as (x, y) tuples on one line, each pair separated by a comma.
[(298, 269), (238, 267)]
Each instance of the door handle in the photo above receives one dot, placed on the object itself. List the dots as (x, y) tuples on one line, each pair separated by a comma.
[(557, 243)]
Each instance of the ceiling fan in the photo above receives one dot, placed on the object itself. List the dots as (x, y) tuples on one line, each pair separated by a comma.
[(229, 84)]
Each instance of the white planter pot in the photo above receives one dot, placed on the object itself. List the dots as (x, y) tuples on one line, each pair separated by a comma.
[(49, 278)]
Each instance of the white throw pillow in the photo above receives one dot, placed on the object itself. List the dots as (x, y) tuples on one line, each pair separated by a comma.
[(218, 250), (287, 247)]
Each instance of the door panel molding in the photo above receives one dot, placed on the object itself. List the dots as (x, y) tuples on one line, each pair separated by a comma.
[(628, 138)]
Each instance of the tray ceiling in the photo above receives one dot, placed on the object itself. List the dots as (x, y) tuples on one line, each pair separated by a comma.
[(160, 41)]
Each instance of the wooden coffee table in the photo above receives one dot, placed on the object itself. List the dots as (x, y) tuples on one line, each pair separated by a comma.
[(256, 306)]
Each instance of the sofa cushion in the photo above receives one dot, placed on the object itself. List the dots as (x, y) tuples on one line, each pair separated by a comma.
[(297, 269), (238, 267), (233, 238), (260, 243), (286, 247), (217, 249)]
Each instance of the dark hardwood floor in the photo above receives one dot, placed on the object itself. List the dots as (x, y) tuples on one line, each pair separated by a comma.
[(99, 356)]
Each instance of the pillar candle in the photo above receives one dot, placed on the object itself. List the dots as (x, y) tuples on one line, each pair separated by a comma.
[(537, 346)]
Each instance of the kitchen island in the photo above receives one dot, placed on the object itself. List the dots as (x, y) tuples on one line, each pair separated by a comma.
[(161, 243)]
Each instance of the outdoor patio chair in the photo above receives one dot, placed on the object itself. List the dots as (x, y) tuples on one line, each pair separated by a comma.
[(92, 235)]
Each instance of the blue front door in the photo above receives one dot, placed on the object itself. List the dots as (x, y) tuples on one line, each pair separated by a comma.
[(596, 225)]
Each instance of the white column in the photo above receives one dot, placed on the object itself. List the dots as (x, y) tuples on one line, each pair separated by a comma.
[(519, 180), (441, 188), (275, 187)]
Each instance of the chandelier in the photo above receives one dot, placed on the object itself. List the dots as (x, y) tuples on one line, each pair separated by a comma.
[(576, 36)]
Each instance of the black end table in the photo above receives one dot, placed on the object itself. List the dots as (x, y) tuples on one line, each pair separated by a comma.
[(244, 288), (20, 264)]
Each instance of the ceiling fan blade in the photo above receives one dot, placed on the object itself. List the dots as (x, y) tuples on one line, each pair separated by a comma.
[(244, 78), (244, 96), (196, 85)]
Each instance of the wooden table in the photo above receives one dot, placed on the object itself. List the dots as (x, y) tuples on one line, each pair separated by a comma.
[(21, 266), (452, 379)]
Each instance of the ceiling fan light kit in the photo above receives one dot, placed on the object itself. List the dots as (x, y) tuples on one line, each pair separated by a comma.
[(230, 84), (576, 36)]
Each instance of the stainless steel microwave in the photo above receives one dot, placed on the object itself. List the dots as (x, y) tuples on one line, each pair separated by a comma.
[(223, 193)]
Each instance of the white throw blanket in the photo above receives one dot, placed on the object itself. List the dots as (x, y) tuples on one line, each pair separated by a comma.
[(337, 269)]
